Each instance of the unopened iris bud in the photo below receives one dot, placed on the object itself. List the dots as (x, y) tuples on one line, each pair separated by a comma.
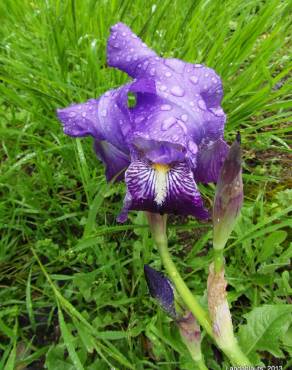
[(228, 196), (161, 289), (191, 335)]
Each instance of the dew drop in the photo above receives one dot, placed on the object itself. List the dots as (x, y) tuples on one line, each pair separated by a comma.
[(214, 80), (202, 104), (152, 72), (192, 104), (192, 147), (198, 65), (72, 114), (139, 119), (103, 113), (177, 91), (167, 123), (218, 111), (84, 114), (163, 88), (165, 107), (175, 138), (128, 59), (194, 79), (184, 117), (168, 74), (124, 34)]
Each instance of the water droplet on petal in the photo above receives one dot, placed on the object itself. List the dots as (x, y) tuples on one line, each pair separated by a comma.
[(168, 122), (134, 36), (177, 91), (168, 74), (128, 59), (206, 74), (202, 104), (175, 138), (192, 104), (139, 119), (214, 80), (152, 72), (124, 34), (184, 117), (163, 88), (194, 79), (72, 114), (165, 107), (83, 114), (131, 50), (192, 147), (197, 65), (218, 111), (103, 113)]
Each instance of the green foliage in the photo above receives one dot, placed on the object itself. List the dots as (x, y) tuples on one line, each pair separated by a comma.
[(265, 328), (72, 291)]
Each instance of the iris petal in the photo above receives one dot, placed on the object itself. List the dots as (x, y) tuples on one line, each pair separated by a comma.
[(125, 50), (210, 160), (115, 161), (162, 189)]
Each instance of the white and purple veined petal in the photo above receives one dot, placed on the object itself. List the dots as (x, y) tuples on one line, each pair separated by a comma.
[(162, 189)]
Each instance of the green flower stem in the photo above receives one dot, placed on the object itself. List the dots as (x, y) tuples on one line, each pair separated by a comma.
[(201, 364), (193, 305), (232, 351), (218, 259)]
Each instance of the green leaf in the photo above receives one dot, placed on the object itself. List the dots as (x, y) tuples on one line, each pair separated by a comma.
[(68, 340), (265, 326), (270, 243)]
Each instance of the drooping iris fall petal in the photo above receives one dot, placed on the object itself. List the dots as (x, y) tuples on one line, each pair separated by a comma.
[(172, 137)]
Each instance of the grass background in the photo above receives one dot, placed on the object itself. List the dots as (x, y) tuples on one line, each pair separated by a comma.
[(72, 291)]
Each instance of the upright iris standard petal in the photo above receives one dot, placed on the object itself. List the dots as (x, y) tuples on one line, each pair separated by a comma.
[(209, 161), (228, 197), (161, 289), (125, 50), (162, 189), (177, 123)]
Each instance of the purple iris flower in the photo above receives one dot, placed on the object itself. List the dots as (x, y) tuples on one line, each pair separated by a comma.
[(165, 144)]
